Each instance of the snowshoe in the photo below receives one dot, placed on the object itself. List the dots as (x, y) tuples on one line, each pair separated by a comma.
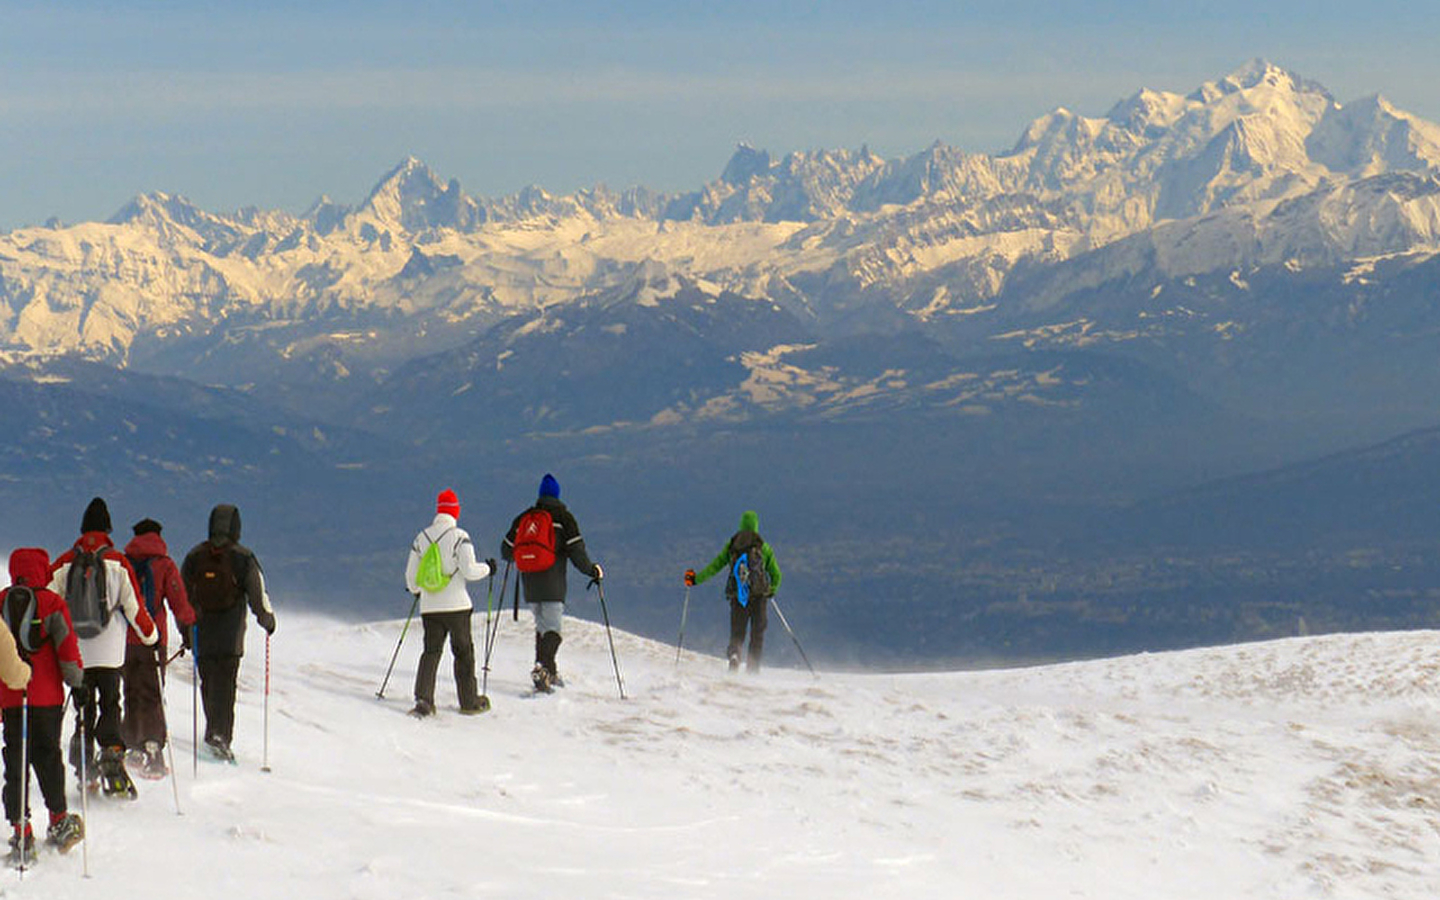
[(220, 749), (114, 780), (423, 709), (540, 678), (152, 762), (65, 832), (22, 853)]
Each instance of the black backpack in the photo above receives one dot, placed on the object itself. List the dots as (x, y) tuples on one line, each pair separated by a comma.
[(216, 588), (86, 593), (22, 618), (748, 576)]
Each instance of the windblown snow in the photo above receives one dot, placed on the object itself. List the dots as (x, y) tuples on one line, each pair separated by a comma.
[(1303, 767)]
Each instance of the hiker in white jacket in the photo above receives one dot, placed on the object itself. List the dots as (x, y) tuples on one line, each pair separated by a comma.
[(442, 560)]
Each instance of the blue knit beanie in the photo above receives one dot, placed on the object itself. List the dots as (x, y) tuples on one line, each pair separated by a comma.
[(549, 487)]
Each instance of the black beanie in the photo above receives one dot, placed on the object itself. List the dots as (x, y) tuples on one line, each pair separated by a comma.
[(97, 517), (146, 526)]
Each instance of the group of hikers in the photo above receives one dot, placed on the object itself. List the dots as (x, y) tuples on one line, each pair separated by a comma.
[(540, 542), (96, 621)]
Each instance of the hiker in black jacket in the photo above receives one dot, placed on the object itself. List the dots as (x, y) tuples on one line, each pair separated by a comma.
[(541, 564), (222, 577)]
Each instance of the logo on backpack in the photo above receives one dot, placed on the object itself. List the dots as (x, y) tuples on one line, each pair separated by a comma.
[(535, 541), (748, 575), (21, 617), (432, 576), (86, 593), (216, 588)]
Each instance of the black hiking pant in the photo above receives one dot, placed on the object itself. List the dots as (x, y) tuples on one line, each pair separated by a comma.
[(45, 758), (218, 677), (144, 718), (99, 711), (755, 615), (456, 626)]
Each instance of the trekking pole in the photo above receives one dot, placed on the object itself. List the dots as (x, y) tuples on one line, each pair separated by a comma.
[(489, 640), (25, 774), (265, 756), (380, 694), (169, 744), (793, 637), (195, 700), (84, 795), (613, 658), (684, 613)]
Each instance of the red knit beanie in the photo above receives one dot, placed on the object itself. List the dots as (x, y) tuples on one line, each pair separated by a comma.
[(448, 503)]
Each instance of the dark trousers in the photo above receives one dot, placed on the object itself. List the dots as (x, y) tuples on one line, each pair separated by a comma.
[(456, 626), (754, 614), (99, 699), (218, 677), (44, 757), (144, 712)]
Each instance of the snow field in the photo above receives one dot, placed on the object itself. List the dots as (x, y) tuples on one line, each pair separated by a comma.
[(1300, 768)]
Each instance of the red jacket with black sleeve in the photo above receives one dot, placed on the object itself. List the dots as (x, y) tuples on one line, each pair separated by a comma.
[(168, 588)]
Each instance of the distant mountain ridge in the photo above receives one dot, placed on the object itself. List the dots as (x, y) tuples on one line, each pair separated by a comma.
[(1258, 166)]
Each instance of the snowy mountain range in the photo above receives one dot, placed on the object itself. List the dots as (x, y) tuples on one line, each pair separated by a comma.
[(1186, 288)]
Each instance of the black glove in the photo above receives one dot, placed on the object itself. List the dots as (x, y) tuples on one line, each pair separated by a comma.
[(491, 563), (267, 622), (186, 641)]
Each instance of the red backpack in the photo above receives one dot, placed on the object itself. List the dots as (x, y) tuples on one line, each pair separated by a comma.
[(535, 541)]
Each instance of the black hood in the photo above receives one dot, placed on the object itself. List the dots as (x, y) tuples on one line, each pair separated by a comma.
[(224, 524)]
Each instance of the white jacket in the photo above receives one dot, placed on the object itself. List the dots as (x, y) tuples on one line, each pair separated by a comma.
[(107, 649), (459, 556)]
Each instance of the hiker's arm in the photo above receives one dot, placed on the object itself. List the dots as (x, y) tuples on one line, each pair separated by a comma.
[(469, 568), (716, 565), (14, 671), (67, 647), (412, 568), (175, 595), (140, 621), (772, 567), (258, 599), (575, 545)]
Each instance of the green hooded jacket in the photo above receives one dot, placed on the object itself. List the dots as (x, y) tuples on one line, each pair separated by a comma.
[(749, 521)]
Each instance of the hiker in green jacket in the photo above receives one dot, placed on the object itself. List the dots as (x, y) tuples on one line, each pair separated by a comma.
[(753, 578)]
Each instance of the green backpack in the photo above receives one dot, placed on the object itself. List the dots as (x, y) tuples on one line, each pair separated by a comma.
[(432, 576)]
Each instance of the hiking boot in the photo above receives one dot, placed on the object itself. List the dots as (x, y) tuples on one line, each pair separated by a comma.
[(540, 677), (481, 705), (734, 661), (422, 709), (65, 832)]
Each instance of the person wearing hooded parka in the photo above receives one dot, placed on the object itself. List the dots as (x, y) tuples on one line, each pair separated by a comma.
[(745, 609), (222, 577)]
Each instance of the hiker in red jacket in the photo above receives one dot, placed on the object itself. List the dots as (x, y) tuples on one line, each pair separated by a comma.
[(143, 727), (45, 636)]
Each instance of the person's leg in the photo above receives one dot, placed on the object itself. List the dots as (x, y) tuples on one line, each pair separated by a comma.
[(549, 623), (462, 648), (759, 618), (107, 722), (46, 723), (739, 617), (11, 792), (143, 719), (229, 671), (434, 645)]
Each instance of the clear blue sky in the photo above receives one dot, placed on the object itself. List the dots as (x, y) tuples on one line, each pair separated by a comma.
[(272, 104)]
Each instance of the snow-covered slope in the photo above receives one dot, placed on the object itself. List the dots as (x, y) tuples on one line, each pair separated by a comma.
[(1304, 767)]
